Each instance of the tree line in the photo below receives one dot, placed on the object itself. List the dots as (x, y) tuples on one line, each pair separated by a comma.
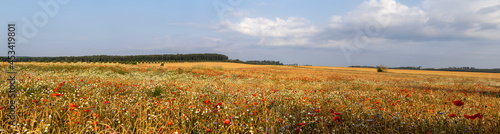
[(134, 59), (128, 58)]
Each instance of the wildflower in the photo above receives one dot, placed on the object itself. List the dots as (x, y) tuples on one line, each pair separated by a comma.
[(480, 116), (301, 124), (452, 115), (106, 102), (226, 122), (169, 123), (73, 105), (336, 118), (208, 130), (470, 117), (458, 103), (56, 94)]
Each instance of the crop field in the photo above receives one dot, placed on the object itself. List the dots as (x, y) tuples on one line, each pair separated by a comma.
[(211, 97)]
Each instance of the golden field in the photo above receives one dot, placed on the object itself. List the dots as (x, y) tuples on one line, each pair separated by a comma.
[(220, 97)]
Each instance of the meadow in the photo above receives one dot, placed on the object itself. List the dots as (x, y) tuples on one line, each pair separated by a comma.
[(217, 97)]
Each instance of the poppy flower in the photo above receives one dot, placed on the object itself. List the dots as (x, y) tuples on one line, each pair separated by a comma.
[(208, 130), (226, 122), (317, 110), (470, 117), (169, 123), (106, 102), (301, 124), (73, 105), (458, 103), (207, 101), (56, 94), (452, 115), (480, 116), (336, 118), (34, 101)]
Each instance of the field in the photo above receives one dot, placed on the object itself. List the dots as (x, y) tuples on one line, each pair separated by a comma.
[(239, 98)]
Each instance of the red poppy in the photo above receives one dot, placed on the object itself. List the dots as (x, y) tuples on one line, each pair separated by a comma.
[(106, 102), (317, 110), (480, 116), (34, 101), (470, 117), (452, 115), (474, 116), (207, 101), (56, 94), (336, 118), (226, 122), (301, 124), (208, 130), (458, 103), (169, 123), (73, 105)]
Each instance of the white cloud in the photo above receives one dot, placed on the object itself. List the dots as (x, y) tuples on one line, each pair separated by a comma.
[(381, 19), (387, 13), (336, 21), (279, 32), (474, 19), (435, 20)]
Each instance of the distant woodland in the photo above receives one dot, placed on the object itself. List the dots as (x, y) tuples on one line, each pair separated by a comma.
[(134, 59)]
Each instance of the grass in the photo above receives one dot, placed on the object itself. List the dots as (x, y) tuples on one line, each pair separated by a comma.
[(203, 97)]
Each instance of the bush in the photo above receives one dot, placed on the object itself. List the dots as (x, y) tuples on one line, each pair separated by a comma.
[(381, 68), (157, 91)]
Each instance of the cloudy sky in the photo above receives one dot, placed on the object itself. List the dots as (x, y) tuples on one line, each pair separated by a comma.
[(428, 33)]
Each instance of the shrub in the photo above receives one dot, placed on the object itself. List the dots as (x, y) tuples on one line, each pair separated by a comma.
[(381, 68)]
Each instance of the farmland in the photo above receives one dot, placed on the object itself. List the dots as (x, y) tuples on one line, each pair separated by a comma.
[(223, 97)]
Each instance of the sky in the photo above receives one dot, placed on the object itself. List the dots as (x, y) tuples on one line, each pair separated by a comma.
[(427, 33)]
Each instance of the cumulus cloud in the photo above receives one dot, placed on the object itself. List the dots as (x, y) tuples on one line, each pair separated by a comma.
[(381, 19), (278, 32)]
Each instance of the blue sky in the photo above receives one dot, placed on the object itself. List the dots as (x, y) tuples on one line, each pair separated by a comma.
[(428, 33)]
